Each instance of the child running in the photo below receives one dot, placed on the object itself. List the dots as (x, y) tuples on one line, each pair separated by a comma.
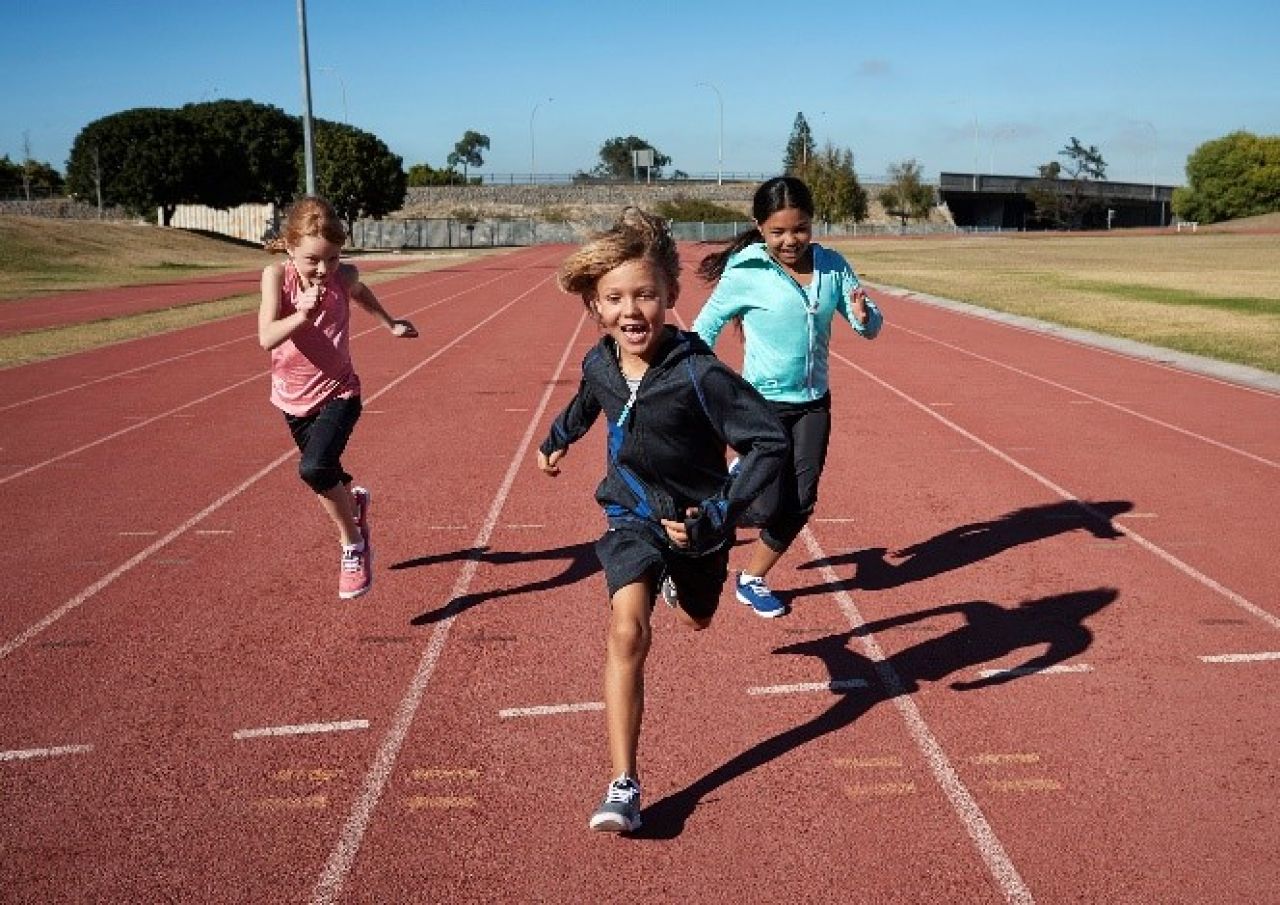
[(304, 321), (669, 502), (784, 290)]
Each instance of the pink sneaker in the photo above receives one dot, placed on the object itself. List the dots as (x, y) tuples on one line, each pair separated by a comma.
[(356, 575), (362, 498)]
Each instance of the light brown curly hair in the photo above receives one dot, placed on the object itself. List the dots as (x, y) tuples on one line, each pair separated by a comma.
[(310, 215), (637, 235)]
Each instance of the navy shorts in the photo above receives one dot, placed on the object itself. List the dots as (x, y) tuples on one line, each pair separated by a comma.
[(631, 553)]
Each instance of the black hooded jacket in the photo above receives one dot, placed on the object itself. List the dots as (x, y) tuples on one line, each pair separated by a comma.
[(668, 454)]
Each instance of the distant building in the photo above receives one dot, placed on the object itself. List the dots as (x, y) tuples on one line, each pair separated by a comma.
[(1003, 202)]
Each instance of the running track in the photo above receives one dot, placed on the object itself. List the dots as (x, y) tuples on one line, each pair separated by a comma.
[(1032, 657)]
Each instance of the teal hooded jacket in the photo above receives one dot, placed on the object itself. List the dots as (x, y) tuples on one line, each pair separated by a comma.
[(787, 326)]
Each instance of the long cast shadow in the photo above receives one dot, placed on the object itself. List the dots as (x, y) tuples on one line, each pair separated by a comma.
[(580, 562), (967, 544), (990, 632)]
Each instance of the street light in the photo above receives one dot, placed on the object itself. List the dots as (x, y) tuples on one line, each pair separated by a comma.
[(720, 142), (343, 85), (533, 160)]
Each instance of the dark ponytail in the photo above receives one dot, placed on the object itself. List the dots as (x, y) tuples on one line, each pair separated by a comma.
[(776, 194)]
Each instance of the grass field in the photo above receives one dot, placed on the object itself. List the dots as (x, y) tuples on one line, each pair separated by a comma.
[(1215, 293), (1211, 294)]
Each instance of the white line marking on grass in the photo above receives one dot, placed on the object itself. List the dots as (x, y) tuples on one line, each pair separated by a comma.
[(1090, 397), (33, 753), (1251, 608), (301, 729), (1056, 669), (329, 885), (799, 687), (1243, 658), (962, 801), (551, 709)]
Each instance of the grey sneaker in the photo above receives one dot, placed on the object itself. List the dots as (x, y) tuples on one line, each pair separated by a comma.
[(670, 596), (620, 810)]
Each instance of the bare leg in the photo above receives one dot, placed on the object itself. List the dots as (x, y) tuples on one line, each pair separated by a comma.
[(626, 647), (341, 506), (763, 558)]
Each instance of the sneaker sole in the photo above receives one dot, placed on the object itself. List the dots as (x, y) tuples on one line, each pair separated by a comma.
[(763, 614), (613, 823), (352, 595)]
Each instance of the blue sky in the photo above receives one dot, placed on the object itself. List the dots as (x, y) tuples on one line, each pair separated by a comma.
[(993, 86)]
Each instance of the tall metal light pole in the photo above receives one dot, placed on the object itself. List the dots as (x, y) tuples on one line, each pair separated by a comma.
[(720, 141), (308, 144), (533, 160), (341, 84)]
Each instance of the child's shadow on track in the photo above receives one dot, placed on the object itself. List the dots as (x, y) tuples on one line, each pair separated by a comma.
[(989, 633), (968, 544), (580, 563)]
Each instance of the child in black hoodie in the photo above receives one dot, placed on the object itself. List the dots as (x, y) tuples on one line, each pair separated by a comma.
[(672, 409)]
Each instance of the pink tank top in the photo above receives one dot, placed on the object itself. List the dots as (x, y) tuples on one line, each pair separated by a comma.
[(314, 365)]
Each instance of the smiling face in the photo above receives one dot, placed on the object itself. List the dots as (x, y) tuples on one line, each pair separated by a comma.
[(315, 257), (631, 303), (787, 234)]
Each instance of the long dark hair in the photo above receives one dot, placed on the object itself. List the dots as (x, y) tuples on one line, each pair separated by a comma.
[(776, 194)]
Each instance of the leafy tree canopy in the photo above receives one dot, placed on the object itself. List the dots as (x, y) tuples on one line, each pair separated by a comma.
[(838, 196), (1237, 175), (356, 172), (615, 158), (907, 196), (424, 174), (467, 151), (145, 158), (800, 146), (256, 148)]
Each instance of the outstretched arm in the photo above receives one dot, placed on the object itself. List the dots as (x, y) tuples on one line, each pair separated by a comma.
[(363, 296)]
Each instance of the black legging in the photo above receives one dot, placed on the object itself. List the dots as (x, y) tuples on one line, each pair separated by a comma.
[(789, 501)]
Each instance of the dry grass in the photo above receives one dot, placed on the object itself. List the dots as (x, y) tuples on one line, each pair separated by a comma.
[(1214, 294), (39, 255)]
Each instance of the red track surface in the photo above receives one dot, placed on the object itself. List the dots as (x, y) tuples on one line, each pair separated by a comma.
[(170, 591), (66, 308)]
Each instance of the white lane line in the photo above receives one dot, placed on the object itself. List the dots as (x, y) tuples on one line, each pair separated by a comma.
[(132, 372), (1090, 397), (106, 580), (962, 801), (301, 729), (800, 687), (1243, 658), (33, 753), (328, 886), (551, 709), (1056, 669), (1239, 600)]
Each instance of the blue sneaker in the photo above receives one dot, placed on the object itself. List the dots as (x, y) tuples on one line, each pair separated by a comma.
[(756, 594), (620, 810)]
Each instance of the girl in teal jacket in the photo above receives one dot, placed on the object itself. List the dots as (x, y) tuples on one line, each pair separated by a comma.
[(784, 291)]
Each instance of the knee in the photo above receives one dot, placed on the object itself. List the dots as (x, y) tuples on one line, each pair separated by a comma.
[(628, 638), (320, 478)]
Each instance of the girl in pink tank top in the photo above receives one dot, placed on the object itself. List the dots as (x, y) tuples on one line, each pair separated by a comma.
[(304, 322)]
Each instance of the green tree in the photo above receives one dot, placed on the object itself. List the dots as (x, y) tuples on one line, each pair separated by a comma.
[(1082, 165), (1046, 196), (356, 172), (141, 159), (467, 151), (615, 158), (1237, 175), (800, 147), (838, 196), (31, 177), (424, 174), (907, 196), (256, 149)]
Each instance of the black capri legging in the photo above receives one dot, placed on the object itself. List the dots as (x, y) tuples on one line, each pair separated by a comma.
[(784, 508), (321, 438)]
